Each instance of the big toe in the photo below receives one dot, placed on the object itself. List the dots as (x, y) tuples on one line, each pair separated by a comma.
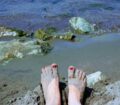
[(48, 69), (71, 71), (54, 67)]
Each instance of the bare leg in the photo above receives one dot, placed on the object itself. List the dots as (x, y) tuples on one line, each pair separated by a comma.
[(50, 84), (76, 84)]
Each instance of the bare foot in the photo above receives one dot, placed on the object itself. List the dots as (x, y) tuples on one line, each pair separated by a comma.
[(50, 84), (76, 84)]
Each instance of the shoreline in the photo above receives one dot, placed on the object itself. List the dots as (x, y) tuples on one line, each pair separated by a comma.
[(19, 79), (97, 51), (103, 92)]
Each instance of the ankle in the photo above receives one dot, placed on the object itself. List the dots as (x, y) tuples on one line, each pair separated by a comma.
[(74, 93), (54, 100), (74, 99), (74, 102)]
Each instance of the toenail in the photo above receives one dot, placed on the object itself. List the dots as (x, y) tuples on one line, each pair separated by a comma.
[(72, 68), (54, 65)]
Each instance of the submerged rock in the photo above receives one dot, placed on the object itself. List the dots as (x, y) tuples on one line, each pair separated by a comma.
[(11, 32), (16, 49), (80, 25), (20, 33), (42, 35), (7, 32), (47, 35), (67, 36)]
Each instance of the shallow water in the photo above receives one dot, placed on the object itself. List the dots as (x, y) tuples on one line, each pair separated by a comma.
[(92, 54), (99, 53)]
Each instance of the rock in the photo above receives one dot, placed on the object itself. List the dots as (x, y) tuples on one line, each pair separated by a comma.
[(65, 36), (106, 95), (28, 99), (80, 25), (93, 78), (17, 49), (42, 35), (49, 34), (113, 89), (45, 47), (18, 54), (34, 52), (19, 33), (5, 85), (34, 97), (11, 32), (115, 101), (7, 32)]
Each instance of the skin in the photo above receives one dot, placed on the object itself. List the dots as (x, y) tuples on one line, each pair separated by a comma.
[(50, 84), (76, 84)]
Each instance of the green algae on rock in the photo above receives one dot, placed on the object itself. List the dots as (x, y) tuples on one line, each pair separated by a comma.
[(4, 32), (67, 36), (42, 35), (16, 49), (80, 25), (20, 33), (45, 46), (49, 34)]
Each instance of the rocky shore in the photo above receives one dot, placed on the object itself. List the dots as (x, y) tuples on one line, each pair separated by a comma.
[(107, 94), (24, 43), (30, 29), (103, 92)]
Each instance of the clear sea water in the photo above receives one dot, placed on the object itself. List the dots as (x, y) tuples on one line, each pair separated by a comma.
[(33, 14)]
